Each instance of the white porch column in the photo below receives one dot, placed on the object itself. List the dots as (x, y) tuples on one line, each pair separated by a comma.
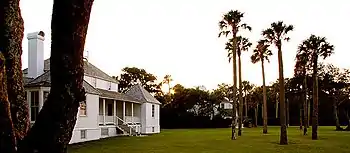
[(104, 111), (41, 98), (132, 113), (124, 110), (115, 112)]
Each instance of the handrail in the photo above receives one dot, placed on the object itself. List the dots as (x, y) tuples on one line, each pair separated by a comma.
[(125, 123)]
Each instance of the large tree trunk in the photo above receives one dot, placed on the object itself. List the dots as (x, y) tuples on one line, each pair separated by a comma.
[(240, 97), (11, 33), (53, 128), (336, 118), (264, 97), (234, 94), (305, 103), (7, 136), (283, 135), (315, 99)]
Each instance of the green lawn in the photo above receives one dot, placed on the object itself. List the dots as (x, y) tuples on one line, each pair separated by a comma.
[(218, 141)]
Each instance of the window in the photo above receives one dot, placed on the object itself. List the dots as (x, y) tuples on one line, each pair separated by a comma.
[(46, 94), (25, 95), (104, 131), (34, 105), (83, 134), (222, 105), (82, 108), (152, 129), (152, 110)]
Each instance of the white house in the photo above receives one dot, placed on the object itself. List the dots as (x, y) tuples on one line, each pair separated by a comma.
[(226, 104), (106, 112)]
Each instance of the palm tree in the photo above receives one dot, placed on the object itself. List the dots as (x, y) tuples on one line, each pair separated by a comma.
[(247, 87), (275, 34), (167, 80), (243, 44), (231, 23), (262, 53), (318, 46), (301, 67)]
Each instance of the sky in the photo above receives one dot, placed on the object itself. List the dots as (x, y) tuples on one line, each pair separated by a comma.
[(180, 37)]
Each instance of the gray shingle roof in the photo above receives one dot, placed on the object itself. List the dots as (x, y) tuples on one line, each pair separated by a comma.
[(141, 94), (45, 80), (89, 70), (117, 96)]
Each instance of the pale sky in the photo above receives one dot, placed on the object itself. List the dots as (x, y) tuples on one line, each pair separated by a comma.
[(179, 37)]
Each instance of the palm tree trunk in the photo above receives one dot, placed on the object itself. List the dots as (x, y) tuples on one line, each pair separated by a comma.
[(287, 111), (277, 103), (240, 96), (315, 100), (348, 118), (308, 112), (264, 97), (234, 94), (336, 118), (305, 103), (283, 135), (7, 137), (11, 36), (301, 117), (246, 105), (256, 114), (53, 128)]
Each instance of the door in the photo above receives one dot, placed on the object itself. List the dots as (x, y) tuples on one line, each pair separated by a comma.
[(110, 110)]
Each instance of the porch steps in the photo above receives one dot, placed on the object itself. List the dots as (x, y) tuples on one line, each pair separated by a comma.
[(127, 129)]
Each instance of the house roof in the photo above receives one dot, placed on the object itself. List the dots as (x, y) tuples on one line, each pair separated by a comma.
[(141, 94), (44, 80), (117, 96), (89, 70)]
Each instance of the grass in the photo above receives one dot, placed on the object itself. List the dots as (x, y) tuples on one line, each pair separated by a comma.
[(218, 141)]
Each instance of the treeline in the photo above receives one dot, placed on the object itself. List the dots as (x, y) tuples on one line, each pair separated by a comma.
[(195, 108)]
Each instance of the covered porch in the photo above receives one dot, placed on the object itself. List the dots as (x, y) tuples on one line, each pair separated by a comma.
[(114, 112)]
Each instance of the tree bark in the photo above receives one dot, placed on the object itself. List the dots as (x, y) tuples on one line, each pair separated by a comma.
[(246, 104), (53, 128), (305, 102), (283, 135), (234, 94), (7, 136), (256, 115), (315, 99), (308, 112), (264, 97), (336, 118), (348, 118), (287, 112), (301, 118), (240, 122), (11, 33)]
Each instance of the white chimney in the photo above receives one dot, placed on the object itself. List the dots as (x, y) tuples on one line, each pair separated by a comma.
[(35, 54)]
